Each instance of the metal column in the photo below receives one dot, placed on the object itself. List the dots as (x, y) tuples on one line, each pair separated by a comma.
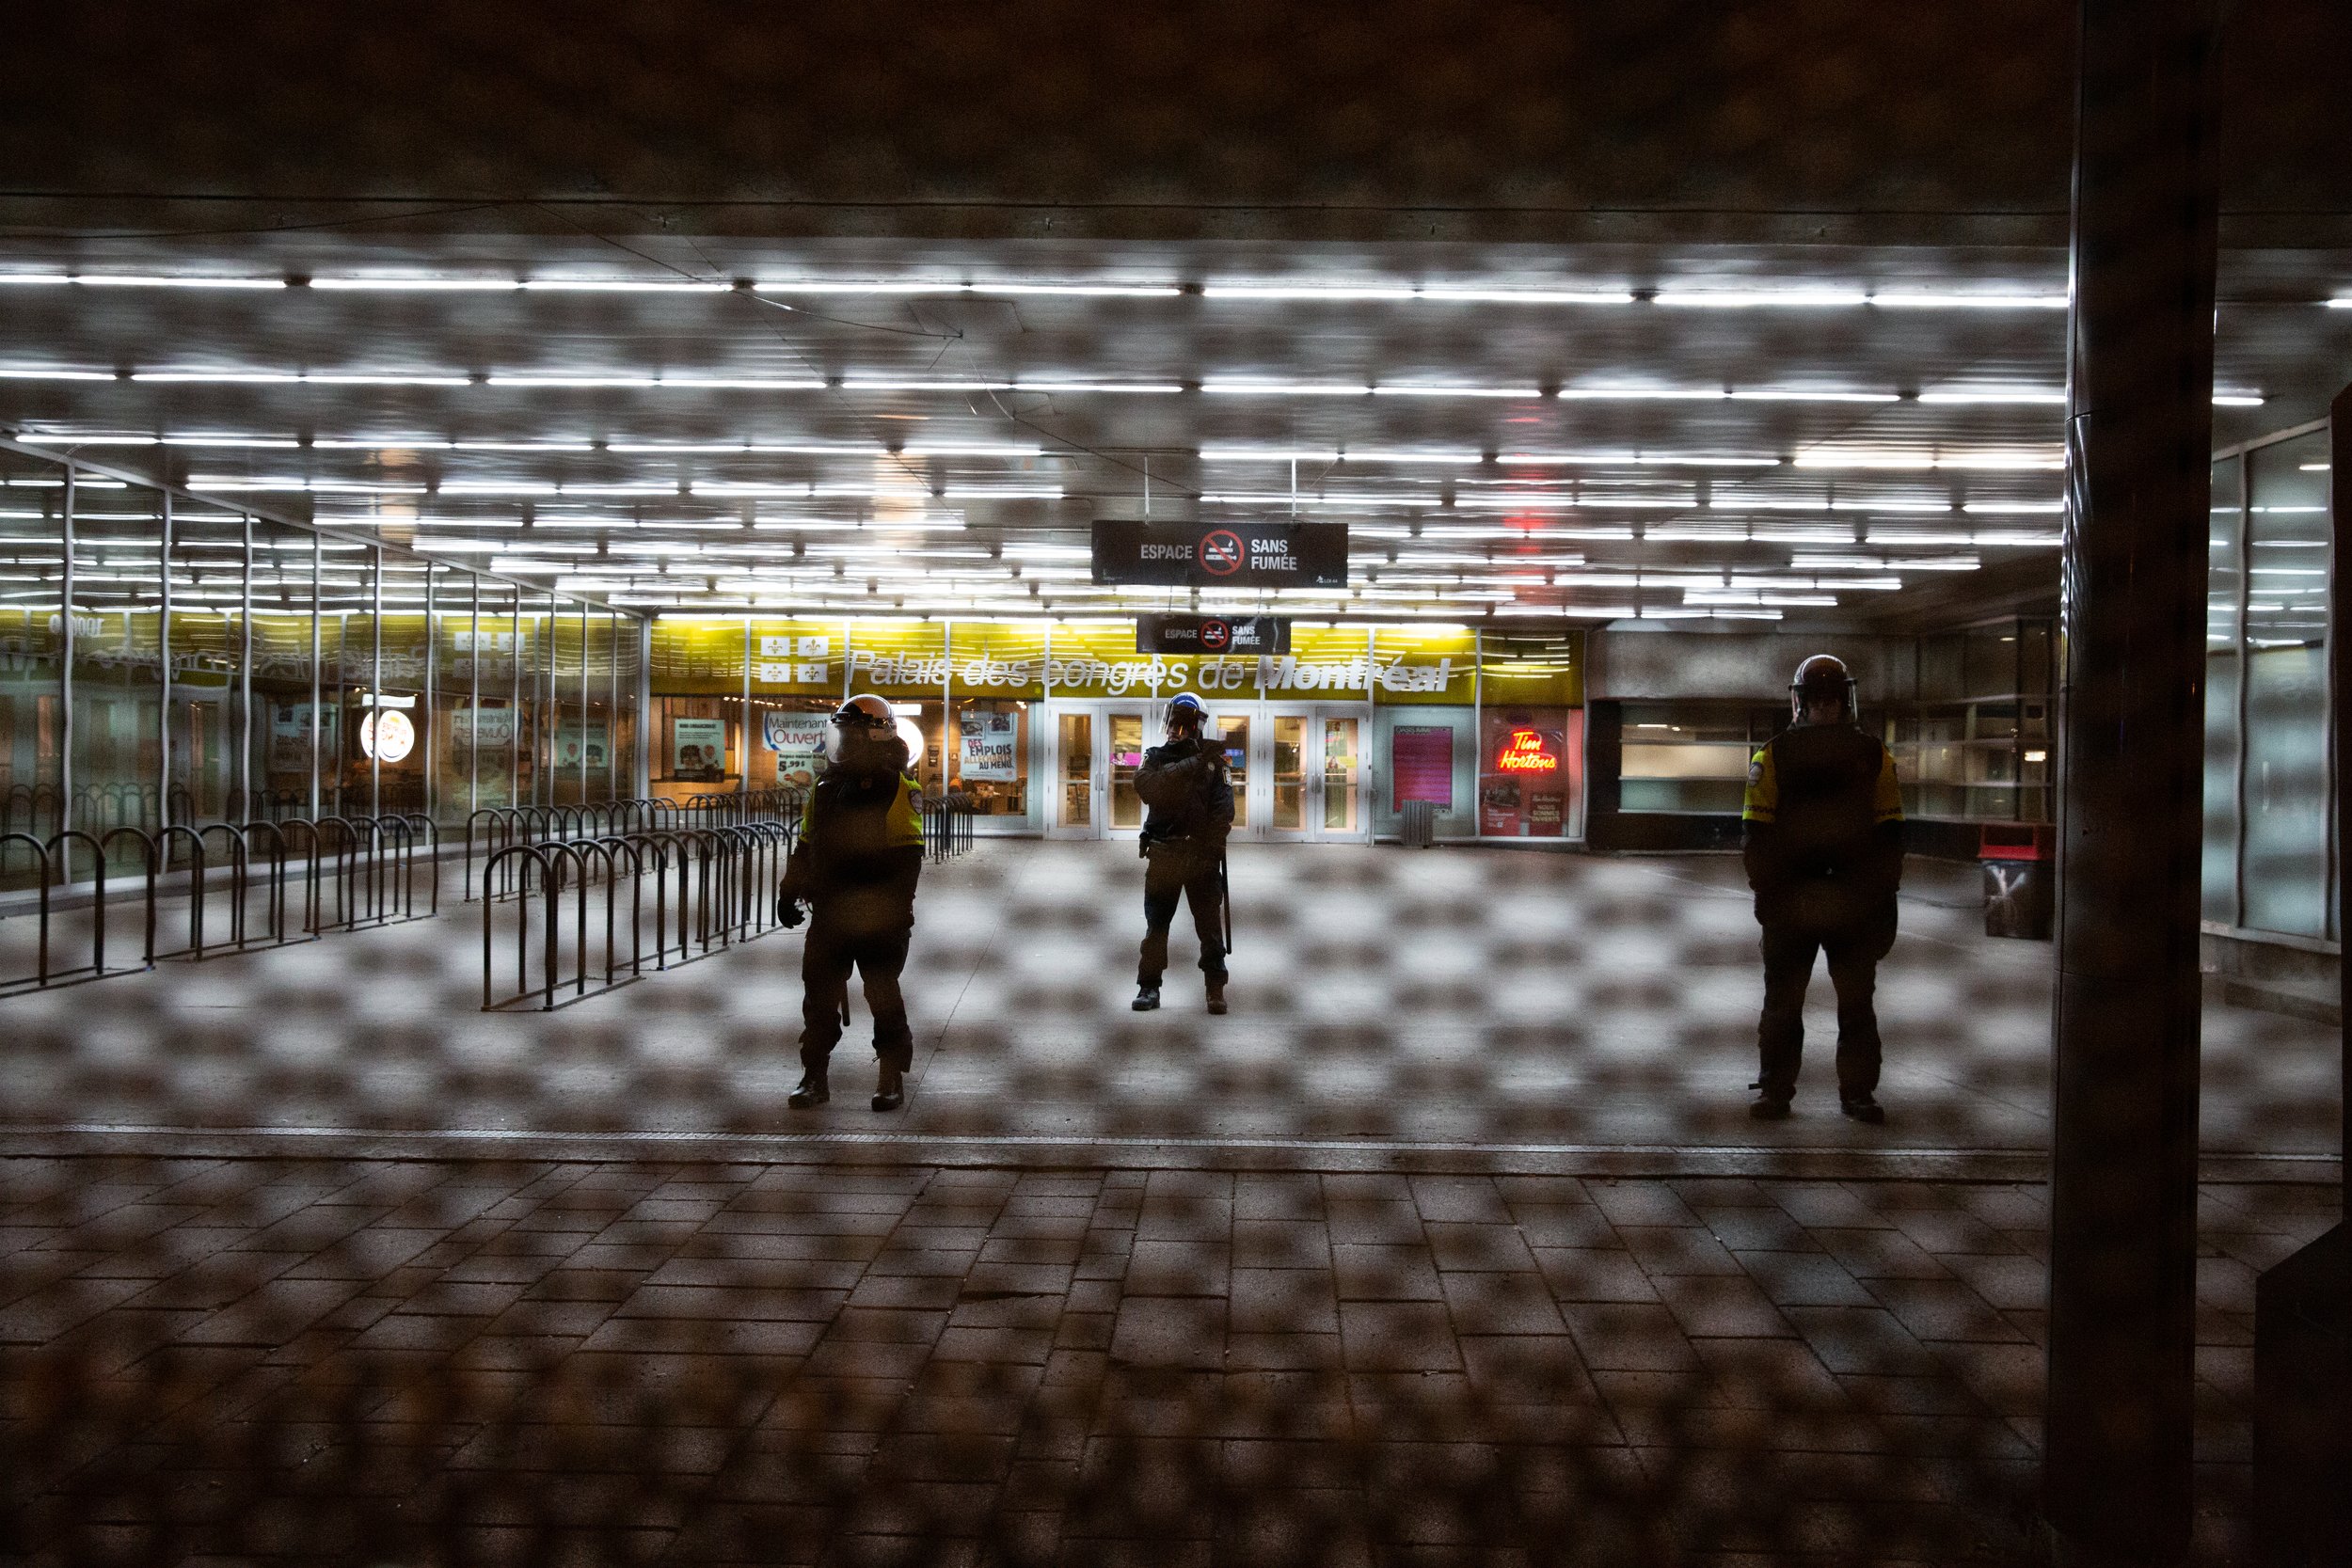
[(318, 613), (375, 679), (65, 679), (2116, 1470), (163, 673), (245, 682)]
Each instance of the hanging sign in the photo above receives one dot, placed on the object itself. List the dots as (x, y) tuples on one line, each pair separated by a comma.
[(1221, 555), (1212, 634)]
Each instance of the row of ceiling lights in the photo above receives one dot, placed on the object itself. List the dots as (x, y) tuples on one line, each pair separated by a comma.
[(1977, 396), (1797, 296), (1790, 296)]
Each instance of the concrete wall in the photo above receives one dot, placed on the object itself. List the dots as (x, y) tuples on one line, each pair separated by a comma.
[(1674, 662)]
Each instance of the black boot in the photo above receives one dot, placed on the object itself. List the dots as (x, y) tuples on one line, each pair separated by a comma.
[(1863, 1107), (812, 1091), (1770, 1107), (1147, 997), (890, 1088), (1217, 994)]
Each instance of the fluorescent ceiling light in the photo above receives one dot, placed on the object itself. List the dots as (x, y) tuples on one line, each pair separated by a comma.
[(1634, 459), (1995, 395), (948, 286), (625, 286), (322, 378), (1921, 462), (1322, 455), (2237, 400), (1411, 391), (708, 383), (144, 280), (1739, 299), (45, 373), (1459, 292), (1223, 387), (1905, 299)]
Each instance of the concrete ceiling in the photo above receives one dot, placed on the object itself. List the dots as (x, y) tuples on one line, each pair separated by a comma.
[(1699, 328)]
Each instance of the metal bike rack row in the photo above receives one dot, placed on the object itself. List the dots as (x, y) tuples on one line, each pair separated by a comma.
[(347, 872), (710, 888), (947, 827), (495, 829)]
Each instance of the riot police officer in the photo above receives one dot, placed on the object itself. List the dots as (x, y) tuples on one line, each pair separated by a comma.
[(1190, 803), (855, 865), (1825, 853)]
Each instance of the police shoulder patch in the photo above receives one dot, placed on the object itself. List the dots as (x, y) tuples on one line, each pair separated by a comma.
[(1755, 770)]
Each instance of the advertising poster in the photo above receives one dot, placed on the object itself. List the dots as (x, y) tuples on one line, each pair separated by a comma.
[(481, 729), (1420, 764), (1499, 807), (576, 744), (987, 751), (698, 749), (290, 736), (798, 741)]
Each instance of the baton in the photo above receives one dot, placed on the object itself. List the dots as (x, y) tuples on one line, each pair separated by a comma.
[(1225, 898)]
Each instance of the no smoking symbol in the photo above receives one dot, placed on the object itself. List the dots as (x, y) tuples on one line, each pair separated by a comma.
[(1216, 636), (1221, 553)]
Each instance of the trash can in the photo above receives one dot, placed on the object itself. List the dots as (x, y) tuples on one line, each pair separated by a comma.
[(2017, 880), (1418, 823)]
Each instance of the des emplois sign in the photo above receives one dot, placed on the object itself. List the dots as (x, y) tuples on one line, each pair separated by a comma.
[(1221, 555), (1212, 634)]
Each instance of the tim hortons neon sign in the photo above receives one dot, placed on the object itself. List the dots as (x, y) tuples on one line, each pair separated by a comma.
[(1524, 753)]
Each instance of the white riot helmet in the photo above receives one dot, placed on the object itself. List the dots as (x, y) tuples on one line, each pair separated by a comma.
[(1823, 676), (865, 718)]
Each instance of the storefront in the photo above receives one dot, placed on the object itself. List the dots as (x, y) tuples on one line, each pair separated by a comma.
[(1040, 726)]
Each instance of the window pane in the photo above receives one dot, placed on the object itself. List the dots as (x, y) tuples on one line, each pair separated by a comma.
[(2286, 805)]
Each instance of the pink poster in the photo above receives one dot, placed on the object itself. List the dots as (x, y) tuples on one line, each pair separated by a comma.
[(1421, 765)]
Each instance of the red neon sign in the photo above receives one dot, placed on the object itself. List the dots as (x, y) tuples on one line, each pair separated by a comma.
[(1524, 752)]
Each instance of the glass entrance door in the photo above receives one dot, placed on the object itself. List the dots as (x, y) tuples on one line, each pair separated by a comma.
[(1316, 786), (1127, 736), (1097, 749), (1232, 726), (1076, 813), (1340, 761)]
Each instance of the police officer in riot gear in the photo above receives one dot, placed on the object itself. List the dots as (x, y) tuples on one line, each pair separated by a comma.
[(1823, 846), (1189, 809), (855, 865)]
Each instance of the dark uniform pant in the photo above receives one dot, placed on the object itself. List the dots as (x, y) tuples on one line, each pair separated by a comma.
[(1173, 871), (1855, 951), (878, 955)]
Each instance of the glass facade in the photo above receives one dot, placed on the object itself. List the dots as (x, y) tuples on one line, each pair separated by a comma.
[(2270, 834), (167, 663)]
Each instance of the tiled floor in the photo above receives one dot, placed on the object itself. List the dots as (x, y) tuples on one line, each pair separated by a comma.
[(221, 1359), (1451, 1243), (1473, 998)]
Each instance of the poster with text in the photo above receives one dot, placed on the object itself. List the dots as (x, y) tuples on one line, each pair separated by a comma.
[(798, 741), (987, 753), (698, 749)]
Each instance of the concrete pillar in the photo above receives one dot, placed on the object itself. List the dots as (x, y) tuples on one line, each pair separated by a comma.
[(2139, 439)]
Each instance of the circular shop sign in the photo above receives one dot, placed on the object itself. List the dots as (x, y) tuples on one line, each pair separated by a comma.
[(1221, 552), (1215, 637), (387, 734)]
